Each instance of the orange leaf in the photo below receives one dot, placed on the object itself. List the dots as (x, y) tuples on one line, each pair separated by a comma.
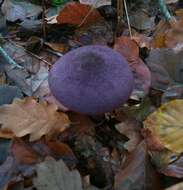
[(78, 14), (23, 153)]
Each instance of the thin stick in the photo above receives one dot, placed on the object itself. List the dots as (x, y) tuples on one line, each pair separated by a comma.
[(34, 55), (44, 19), (88, 14), (127, 17), (9, 59)]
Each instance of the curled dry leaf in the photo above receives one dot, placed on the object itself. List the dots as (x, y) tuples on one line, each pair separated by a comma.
[(166, 125), (78, 14), (27, 116)]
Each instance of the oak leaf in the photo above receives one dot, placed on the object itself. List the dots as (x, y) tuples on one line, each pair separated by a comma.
[(28, 116)]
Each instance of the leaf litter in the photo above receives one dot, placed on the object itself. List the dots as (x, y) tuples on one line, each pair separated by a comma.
[(137, 146)]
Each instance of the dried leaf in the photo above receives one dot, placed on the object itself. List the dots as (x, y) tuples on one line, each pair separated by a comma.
[(173, 92), (178, 186), (127, 47), (8, 93), (137, 172), (78, 14), (60, 178), (174, 169), (99, 33), (23, 153), (166, 125), (130, 50), (27, 116), (60, 47), (131, 129), (166, 67)]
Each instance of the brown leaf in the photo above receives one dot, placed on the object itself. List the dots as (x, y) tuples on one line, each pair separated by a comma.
[(23, 153), (127, 47), (62, 150), (27, 116), (165, 66), (78, 14), (130, 50), (175, 169), (60, 47), (82, 125), (99, 33), (52, 174), (137, 172), (131, 129)]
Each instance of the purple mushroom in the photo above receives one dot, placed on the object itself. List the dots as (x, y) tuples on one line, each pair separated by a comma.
[(91, 80)]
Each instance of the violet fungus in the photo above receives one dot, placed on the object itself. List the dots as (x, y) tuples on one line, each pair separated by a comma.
[(91, 80)]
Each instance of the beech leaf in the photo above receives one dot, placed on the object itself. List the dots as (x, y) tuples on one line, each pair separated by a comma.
[(166, 125)]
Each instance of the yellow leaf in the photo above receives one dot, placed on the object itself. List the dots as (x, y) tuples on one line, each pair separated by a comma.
[(166, 124), (27, 116)]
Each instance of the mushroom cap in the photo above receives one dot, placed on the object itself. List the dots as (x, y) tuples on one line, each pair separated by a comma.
[(92, 80)]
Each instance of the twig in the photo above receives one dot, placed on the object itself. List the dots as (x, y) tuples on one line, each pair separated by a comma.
[(34, 55), (9, 59), (88, 14), (44, 19), (119, 10), (127, 17)]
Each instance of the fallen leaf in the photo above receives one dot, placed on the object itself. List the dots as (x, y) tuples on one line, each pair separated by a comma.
[(60, 178), (5, 145), (81, 125), (137, 173), (158, 40), (23, 153), (178, 186), (174, 169), (62, 150), (99, 33), (27, 116), (127, 47), (131, 129), (141, 20), (8, 93), (162, 159), (166, 67), (60, 47), (142, 40), (166, 125), (15, 10), (173, 92), (78, 14), (6, 171), (96, 4), (130, 50)]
